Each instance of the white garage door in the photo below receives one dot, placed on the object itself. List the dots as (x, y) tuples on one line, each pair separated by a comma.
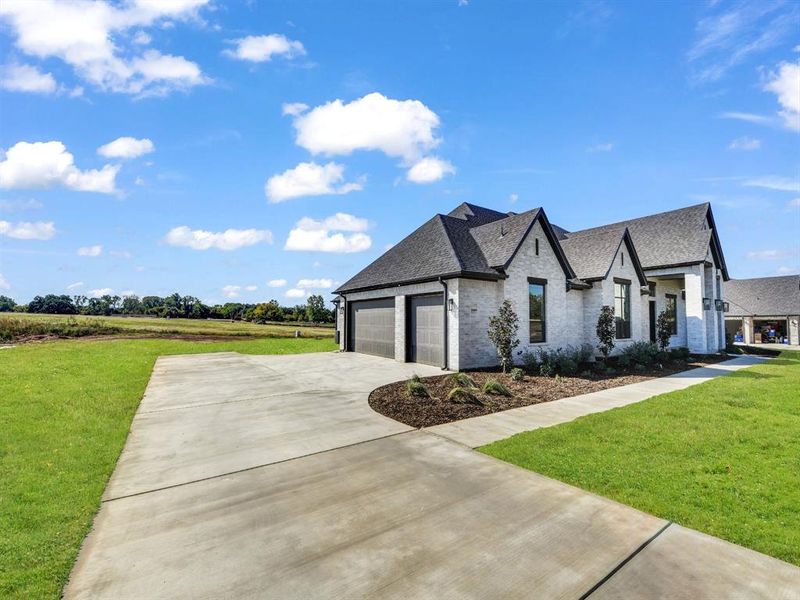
[(426, 330)]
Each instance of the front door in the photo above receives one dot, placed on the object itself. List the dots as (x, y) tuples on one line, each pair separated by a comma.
[(652, 321)]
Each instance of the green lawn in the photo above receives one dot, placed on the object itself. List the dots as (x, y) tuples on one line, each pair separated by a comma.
[(722, 457), (65, 410)]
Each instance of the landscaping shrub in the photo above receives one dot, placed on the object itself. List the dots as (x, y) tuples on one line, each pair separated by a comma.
[(624, 361), (639, 353), (492, 386), (462, 380), (529, 361), (14, 328), (605, 330), (416, 388), (563, 361), (679, 353), (460, 395), (517, 374), (639, 368)]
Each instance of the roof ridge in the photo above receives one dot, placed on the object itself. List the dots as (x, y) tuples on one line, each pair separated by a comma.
[(642, 217), (444, 224)]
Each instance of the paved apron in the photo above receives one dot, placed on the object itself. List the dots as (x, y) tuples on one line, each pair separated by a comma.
[(270, 477)]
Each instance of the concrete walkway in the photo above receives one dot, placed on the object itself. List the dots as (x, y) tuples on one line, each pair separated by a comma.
[(269, 476), (479, 431)]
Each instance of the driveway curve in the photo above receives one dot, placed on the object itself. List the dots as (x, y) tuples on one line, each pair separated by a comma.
[(270, 477)]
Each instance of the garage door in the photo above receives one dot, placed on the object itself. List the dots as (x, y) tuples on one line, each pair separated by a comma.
[(372, 327), (426, 330)]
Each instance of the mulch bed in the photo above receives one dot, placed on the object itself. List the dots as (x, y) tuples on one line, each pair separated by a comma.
[(394, 401)]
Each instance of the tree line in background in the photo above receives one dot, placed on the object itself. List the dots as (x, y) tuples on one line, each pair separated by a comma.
[(173, 307)]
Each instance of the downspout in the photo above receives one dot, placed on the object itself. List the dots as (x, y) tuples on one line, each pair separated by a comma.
[(345, 333), (444, 312)]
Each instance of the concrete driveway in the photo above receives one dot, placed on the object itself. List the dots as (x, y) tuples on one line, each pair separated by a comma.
[(270, 476)]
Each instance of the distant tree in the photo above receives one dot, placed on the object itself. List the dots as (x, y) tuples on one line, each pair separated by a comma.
[(267, 311), (80, 302), (605, 330), (503, 329), (316, 311), (663, 330), (131, 305), (7, 304), (152, 304), (52, 304)]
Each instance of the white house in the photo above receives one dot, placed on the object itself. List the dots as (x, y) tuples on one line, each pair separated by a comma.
[(429, 298)]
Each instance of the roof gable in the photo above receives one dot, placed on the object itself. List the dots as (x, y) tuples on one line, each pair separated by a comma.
[(592, 253)]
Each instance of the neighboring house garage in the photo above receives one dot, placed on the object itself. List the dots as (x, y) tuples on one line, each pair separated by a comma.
[(763, 310), (371, 327)]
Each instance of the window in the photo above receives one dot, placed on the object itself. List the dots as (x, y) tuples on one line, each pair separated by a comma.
[(651, 289), (622, 256), (537, 246), (622, 308), (536, 303), (671, 308)]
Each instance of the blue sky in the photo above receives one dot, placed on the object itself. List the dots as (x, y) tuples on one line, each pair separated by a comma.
[(273, 149)]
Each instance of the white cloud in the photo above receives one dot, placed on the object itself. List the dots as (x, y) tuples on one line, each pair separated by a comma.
[(75, 286), (744, 143), (86, 35), (429, 169), (126, 147), (785, 84), (41, 165), (398, 128), (231, 291), (295, 293), (309, 179), (767, 255), (793, 203), (748, 117), (26, 78), (729, 36), (139, 181), (604, 147), (513, 198), (318, 236), (4, 285), (127, 293), (774, 182), (251, 288), (276, 283), (141, 38), (787, 270), (26, 230), (230, 239), (101, 292), (315, 284), (96, 250), (293, 108), (262, 48)]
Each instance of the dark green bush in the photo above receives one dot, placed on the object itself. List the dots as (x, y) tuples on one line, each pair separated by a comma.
[(460, 395), (492, 386), (517, 374), (640, 353), (462, 380), (561, 361), (680, 352), (417, 388)]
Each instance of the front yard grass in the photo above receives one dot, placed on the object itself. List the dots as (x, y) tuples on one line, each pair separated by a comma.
[(65, 411), (722, 457)]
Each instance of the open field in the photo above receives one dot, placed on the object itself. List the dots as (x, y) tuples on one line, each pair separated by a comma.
[(722, 457), (152, 325), (64, 416)]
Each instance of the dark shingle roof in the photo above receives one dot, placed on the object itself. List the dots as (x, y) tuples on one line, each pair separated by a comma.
[(675, 237), (591, 254), (477, 241), (765, 296), (442, 246), (500, 239)]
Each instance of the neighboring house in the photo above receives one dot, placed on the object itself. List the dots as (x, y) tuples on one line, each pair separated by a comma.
[(766, 309), (429, 298)]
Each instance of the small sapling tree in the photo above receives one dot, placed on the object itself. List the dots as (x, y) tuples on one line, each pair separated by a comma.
[(503, 329), (605, 330), (663, 330)]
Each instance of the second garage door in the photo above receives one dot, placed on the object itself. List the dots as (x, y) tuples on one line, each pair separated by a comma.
[(426, 330), (372, 327)]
